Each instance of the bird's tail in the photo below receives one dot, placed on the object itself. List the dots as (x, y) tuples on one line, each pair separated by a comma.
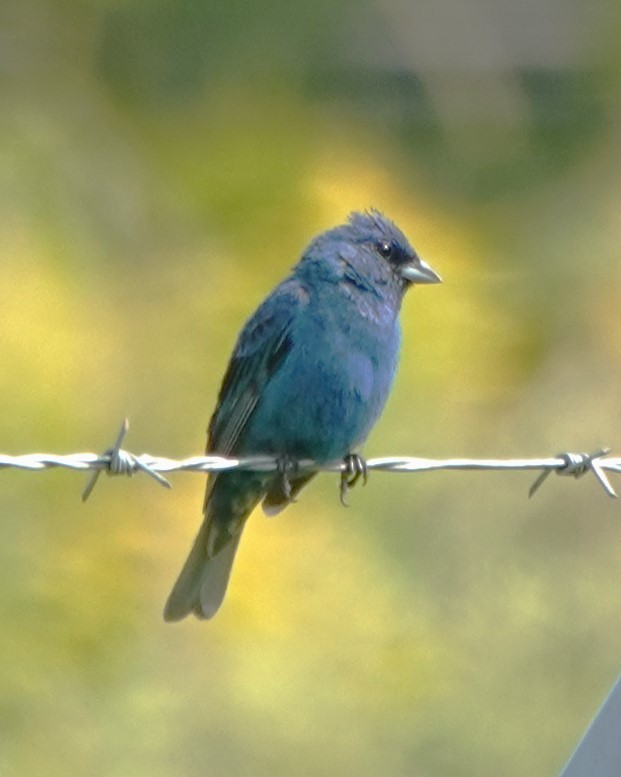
[(202, 582), (230, 498)]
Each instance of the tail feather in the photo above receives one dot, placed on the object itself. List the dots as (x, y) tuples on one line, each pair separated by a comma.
[(230, 498), (214, 580), (202, 582)]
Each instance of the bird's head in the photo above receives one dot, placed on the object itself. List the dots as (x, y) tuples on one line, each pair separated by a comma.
[(369, 252)]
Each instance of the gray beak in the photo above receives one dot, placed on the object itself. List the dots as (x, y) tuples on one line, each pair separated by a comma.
[(419, 272)]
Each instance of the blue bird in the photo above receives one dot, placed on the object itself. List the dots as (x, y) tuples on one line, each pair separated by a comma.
[(308, 378)]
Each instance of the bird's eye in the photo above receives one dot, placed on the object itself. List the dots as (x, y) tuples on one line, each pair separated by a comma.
[(385, 249)]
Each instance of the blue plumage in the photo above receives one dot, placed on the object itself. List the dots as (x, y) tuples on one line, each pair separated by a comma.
[(308, 378)]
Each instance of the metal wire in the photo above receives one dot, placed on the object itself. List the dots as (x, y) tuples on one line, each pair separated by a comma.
[(116, 461)]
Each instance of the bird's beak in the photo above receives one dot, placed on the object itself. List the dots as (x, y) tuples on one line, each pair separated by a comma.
[(419, 272)]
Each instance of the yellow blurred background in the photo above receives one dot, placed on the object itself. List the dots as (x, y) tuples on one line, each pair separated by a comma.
[(162, 165)]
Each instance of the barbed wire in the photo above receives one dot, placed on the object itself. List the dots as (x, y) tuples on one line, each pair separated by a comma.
[(117, 461)]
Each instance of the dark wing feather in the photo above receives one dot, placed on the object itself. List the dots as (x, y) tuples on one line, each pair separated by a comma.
[(261, 348)]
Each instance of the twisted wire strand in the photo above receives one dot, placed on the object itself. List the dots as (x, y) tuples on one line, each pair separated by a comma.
[(117, 461)]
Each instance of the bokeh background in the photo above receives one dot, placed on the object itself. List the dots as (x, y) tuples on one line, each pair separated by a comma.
[(162, 165)]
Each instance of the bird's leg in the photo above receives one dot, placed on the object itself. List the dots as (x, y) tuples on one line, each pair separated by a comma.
[(286, 465), (355, 468)]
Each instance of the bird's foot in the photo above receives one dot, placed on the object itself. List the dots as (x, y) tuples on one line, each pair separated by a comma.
[(355, 468), (286, 466)]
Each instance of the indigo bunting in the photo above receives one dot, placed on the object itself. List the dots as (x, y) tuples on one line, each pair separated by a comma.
[(308, 378)]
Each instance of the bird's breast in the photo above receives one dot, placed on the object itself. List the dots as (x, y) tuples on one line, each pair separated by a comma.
[(329, 391)]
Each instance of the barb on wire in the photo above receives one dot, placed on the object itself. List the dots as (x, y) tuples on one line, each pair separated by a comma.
[(116, 461), (121, 462), (577, 465)]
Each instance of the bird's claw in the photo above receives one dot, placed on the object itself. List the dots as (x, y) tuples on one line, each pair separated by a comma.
[(355, 468), (286, 465)]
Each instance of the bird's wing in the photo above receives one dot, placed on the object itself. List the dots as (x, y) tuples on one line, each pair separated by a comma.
[(261, 348)]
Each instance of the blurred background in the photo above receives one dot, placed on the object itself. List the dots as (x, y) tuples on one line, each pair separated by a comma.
[(162, 165)]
